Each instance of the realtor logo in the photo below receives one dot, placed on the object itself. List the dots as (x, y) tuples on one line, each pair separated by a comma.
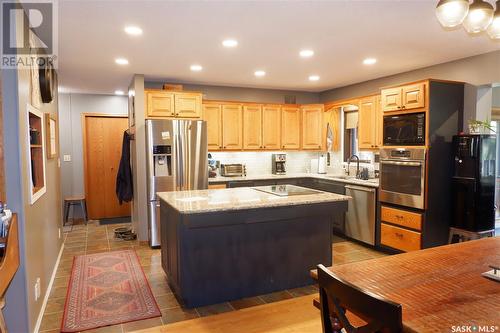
[(29, 33)]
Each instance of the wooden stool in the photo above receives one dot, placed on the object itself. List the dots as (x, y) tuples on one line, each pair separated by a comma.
[(465, 235), (74, 201)]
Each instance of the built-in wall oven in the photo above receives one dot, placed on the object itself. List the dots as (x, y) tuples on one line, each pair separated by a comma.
[(402, 176), (404, 129)]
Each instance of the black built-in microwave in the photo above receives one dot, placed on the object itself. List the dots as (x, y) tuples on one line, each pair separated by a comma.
[(404, 130)]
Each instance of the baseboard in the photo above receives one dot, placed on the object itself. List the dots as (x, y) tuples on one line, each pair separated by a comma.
[(47, 293)]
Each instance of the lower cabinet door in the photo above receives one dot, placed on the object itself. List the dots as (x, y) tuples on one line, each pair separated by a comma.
[(399, 238)]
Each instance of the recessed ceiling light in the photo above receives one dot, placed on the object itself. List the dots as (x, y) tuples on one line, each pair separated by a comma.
[(259, 73), (313, 77), (121, 61), (369, 61), (196, 68), (133, 30), (119, 92), (306, 53), (230, 43)]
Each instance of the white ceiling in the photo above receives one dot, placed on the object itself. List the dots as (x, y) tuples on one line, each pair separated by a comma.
[(402, 35)]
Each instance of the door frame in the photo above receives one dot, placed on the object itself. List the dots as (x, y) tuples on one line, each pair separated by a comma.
[(83, 118)]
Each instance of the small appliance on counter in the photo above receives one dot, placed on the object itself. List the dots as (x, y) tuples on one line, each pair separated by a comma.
[(474, 182), (233, 170), (279, 164), (322, 163)]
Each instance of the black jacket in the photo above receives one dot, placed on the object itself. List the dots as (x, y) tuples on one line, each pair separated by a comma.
[(124, 187)]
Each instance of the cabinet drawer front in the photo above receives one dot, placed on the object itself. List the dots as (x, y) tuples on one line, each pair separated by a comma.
[(398, 238), (401, 217)]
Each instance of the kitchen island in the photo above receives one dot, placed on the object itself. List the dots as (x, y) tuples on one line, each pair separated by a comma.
[(221, 245)]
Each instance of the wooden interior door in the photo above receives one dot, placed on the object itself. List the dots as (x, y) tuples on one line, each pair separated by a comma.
[(103, 148)]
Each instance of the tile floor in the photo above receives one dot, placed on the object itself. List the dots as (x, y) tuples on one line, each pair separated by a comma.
[(94, 238)]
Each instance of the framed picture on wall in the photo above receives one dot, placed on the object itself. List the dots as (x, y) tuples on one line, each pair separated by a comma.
[(51, 136)]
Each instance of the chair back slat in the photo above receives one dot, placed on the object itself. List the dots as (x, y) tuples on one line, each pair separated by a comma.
[(337, 296)]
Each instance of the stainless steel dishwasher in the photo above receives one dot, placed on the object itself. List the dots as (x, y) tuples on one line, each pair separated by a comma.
[(360, 216)]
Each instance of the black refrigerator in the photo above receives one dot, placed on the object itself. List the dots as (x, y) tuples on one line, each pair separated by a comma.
[(474, 182)]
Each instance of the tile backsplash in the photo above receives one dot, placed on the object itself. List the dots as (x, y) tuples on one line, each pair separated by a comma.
[(258, 163)]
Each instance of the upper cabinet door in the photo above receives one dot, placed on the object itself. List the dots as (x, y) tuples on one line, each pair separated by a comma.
[(391, 99), (366, 123), (160, 104), (232, 127), (212, 114), (188, 105), (290, 127), (413, 96), (271, 127), (312, 127), (252, 127)]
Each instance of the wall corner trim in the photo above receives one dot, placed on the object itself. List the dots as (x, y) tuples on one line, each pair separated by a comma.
[(47, 293)]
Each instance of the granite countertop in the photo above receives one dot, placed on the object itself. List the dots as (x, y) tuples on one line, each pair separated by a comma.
[(369, 183), (205, 201)]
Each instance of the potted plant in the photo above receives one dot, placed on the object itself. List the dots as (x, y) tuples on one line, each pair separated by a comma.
[(480, 127)]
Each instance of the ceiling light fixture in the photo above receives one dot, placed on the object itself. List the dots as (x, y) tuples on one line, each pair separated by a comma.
[(369, 61), (121, 61), (230, 43), (313, 77), (196, 68), (119, 92), (133, 30), (259, 73), (451, 13), (475, 18), (479, 17), (306, 53), (494, 28)]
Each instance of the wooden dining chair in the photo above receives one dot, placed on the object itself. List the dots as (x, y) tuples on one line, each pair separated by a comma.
[(338, 296)]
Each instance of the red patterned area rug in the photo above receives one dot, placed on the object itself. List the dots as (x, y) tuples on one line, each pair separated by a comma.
[(105, 289)]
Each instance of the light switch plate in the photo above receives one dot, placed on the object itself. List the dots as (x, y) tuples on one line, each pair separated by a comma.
[(37, 289), (67, 158)]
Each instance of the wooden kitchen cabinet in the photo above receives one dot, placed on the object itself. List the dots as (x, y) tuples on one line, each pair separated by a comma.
[(413, 96), (332, 118), (290, 127), (252, 127), (369, 123), (271, 127), (160, 104), (312, 126), (168, 104), (187, 105), (212, 114), (403, 98), (232, 127), (399, 238)]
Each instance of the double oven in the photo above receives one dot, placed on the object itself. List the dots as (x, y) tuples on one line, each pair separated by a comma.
[(403, 170)]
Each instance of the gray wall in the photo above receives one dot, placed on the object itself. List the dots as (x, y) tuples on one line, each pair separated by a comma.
[(138, 157), (71, 108), (39, 222), (242, 94), (478, 70), (496, 96)]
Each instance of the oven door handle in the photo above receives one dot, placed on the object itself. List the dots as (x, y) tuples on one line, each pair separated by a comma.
[(405, 163)]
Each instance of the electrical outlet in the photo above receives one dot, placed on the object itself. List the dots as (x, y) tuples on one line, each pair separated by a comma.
[(37, 289), (67, 158)]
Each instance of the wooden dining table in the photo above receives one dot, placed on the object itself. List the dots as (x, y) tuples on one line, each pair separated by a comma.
[(440, 289)]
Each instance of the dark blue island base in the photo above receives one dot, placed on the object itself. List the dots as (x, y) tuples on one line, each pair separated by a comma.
[(221, 256)]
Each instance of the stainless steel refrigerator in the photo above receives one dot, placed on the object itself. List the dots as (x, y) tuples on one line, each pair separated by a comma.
[(177, 160)]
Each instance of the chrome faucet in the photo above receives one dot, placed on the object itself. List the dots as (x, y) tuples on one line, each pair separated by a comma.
[(349, 164)]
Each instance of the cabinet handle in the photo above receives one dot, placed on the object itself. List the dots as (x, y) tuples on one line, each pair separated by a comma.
[(403, 107), (260, 146), (264, 147), (283, 147), (399, 107), (398, 235)]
